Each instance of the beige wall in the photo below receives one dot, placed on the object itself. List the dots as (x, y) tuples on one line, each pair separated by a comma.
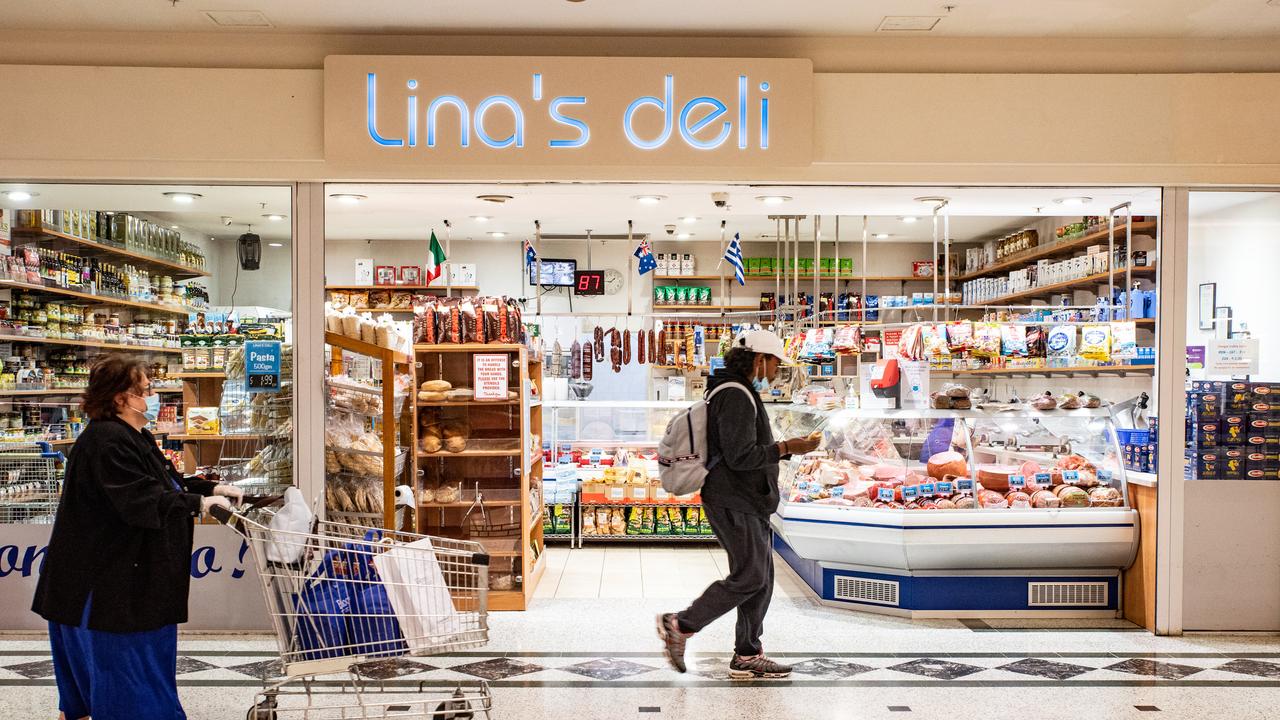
[(243, 124)]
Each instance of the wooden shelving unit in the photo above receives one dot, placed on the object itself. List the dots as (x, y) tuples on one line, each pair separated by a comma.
[(1090, 282), (94, 299), (1055, 249), (394, 434), (121, 347), (502, 460), (401, 288), (90, 248), (1050, 372)]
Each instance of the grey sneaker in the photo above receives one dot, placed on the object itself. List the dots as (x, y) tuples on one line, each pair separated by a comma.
[(759, 666), (673, 640)]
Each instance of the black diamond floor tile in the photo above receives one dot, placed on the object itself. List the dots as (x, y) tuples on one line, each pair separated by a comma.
[(1151, 668), (497, 668), (1253, 667), (608, 669), (829, 669), (1046, 669), (187, 665), (33, 670), (391, 668), (939, 669), (712, 668), (263, 670)]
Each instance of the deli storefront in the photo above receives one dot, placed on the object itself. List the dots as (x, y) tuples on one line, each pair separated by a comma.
[(743, 122)]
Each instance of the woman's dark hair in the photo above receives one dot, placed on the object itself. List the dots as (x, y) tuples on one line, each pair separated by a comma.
[(739, 362), (110, 375)]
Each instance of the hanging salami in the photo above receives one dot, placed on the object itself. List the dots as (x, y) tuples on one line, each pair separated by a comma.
[(586, 361), (653, 347), (661, 357), (615, 349), (626, 347), (642, 346), (575, 361), (599, 344)]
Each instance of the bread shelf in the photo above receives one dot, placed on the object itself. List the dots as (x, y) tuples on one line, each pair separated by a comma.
[(95, 299), (366, 349), (1054, 249), (77, 245)]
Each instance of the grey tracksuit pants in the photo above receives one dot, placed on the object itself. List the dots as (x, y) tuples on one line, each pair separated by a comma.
[(747, 539)]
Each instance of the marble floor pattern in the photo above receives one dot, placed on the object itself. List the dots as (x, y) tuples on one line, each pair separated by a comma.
[(586, 650)]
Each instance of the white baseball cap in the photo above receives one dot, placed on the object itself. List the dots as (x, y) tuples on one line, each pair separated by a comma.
[(763, 342)]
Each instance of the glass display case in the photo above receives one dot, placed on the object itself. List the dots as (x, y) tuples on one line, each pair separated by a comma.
[(590, 425)]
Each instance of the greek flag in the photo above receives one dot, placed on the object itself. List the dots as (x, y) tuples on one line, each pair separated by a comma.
[(734, 255)]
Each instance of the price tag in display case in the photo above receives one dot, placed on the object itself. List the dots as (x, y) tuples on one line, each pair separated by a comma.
[(262, 366), (1044, 480), (618, 493), (910, 492), (928, 489), (1017, 482), (492, 376), (965, 485), (884, 494), (944, 488), (1071, 477)]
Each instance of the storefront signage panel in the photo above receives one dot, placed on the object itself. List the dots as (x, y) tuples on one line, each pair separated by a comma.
[(403, 111)]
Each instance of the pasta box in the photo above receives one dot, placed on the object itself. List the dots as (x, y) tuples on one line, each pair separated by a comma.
[(1231, 430), (1239, 397), (1232, 464), (1206, 434), (1208, 464)]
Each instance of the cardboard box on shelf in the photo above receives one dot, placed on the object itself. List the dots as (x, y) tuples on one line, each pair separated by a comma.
[(462, 274)]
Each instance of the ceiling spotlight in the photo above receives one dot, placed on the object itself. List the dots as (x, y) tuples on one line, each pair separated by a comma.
[(684, 236), (20, 195), (499, 199), (481, 218), (1078, 200), (183, 198), (908, 218), (348, 198), (274, 217), (882, 236), (689, 220), (773, 199), (497, 234), (648, 199), (275, 244)]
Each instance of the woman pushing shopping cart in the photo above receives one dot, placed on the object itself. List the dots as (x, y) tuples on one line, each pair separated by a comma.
[(342, 596)]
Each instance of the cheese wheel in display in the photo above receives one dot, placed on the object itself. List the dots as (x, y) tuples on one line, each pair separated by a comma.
[(947, 463)]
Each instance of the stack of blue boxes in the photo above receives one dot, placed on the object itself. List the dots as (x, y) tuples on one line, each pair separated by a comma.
[(1233, 431)]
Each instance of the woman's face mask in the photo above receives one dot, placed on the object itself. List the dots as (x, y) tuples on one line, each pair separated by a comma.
[(151, 411)]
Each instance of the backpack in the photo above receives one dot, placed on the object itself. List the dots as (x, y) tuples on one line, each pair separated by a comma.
[(682, 453)]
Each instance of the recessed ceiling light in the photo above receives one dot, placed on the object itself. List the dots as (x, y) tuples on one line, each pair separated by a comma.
[(499, 199), (481, 218), (20, 195), (882, 236), (108, 212), (348, 198), (684, 236), (497, 234), (173, 227), (1077, 200), (773, 199), (648, 199), (689, 220), (908, 218), (275, 244), (275, 217), (908, 23), (183, 198)]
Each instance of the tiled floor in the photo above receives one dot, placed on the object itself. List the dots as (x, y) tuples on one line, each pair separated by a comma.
[(586, 650)]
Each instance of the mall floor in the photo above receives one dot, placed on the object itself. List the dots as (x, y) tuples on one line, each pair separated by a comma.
[(587, 651)]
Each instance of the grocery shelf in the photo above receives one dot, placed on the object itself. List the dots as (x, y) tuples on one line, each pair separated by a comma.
[(382, 309), (690, 277), (1082, 370), (469, 452), (200, 375), (47, 391), (401, 288), (708, 308), (1054, 249), (367, 349), (652, 538), (471, 347), (464, 504), (851, 278), (218, 438), (1084, 283), (467, 403), (95, 299), (76, 245), (87, 344)]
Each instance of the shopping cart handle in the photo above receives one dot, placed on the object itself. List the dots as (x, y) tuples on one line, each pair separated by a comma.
[(221, 514)]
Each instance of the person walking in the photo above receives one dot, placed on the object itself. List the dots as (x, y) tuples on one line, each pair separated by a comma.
[(118, 568), (739, 495)]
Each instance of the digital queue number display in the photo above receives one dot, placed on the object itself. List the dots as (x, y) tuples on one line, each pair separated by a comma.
[(588, 282)]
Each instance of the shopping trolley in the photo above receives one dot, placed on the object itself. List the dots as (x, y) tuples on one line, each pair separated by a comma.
[(348, 599), (30, 482)]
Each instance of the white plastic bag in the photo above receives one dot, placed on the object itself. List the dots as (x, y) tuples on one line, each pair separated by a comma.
[(294, 517), (419, 595)]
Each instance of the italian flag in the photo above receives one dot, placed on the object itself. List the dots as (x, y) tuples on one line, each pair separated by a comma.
[(435, 259)]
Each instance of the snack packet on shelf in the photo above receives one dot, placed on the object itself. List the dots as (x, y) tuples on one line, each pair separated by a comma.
[(960, 336), (1095, 342), (1013, 341), (986, 340)]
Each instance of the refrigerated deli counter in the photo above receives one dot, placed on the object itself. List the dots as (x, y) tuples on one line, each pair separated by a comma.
[(958, 513)]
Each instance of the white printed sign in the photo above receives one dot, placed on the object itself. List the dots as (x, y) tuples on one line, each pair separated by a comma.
[(1233, 357), (492, 376)]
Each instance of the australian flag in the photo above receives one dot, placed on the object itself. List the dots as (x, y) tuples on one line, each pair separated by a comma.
[(530, 256), (645, 254), (733, 254)]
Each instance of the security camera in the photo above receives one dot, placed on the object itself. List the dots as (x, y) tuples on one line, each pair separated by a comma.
[(226, 220), (721, 199), (671, 229)]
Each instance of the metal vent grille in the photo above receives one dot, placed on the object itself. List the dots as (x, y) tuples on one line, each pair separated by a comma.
[(880, 592), (1067, 594)]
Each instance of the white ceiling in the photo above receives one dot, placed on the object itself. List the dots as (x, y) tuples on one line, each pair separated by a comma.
[(411, 212), (242, 203), (974, 18)]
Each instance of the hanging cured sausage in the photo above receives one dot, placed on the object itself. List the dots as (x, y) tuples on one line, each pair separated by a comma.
[(615, 349), (626, 347), (599, 344), (575, 361), (586, 361), (642, 345)]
